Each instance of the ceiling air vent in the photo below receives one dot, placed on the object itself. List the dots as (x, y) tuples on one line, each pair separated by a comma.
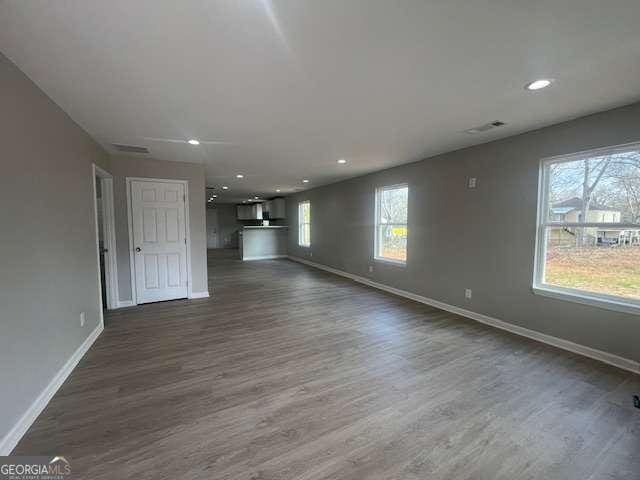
[(130, 148), (485, 127)]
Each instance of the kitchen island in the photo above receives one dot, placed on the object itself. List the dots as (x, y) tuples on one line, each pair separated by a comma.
[(263, 242)]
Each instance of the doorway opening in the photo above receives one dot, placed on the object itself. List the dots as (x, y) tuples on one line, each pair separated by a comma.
[(105, 238), (223, 231)]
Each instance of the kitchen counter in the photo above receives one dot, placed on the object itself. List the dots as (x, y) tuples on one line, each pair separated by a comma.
[(263, 242), (248, 227)]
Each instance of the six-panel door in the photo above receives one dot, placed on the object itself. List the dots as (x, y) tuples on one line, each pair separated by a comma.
[(159, 240)]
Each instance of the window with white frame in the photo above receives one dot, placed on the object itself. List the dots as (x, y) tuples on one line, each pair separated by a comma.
[(588, 241), (391, 223), (304, 224)]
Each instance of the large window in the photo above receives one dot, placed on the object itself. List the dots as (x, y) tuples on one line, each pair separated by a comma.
[(588, 243), (304, 224), (391, 223)]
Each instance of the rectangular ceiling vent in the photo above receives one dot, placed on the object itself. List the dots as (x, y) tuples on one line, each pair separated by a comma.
[(485, 127), (130, 148)]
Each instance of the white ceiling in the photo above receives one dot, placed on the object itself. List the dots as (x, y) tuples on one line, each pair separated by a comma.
[(294, 85)]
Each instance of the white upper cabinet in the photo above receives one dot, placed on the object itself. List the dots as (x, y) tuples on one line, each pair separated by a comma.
[(250, 212), (276, 208), (254, 211)]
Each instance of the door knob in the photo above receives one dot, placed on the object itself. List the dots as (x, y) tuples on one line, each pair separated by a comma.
[(138, 249)]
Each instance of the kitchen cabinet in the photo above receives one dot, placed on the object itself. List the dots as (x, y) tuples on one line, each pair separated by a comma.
[(249, 212), (276, 208)]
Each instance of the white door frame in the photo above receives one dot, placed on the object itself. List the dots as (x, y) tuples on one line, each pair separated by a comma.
[(132, 266), (109, 231)]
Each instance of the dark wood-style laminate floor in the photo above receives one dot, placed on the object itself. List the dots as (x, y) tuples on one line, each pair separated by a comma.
[(292, 373)]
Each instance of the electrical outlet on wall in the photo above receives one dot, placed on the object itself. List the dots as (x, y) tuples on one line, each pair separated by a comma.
[(82, 319), (467, 293), (472, 182)]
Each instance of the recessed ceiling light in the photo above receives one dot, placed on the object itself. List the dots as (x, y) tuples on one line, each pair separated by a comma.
[(224, 187), (342, 161), (305, 181), (538, 84), (256, 197), (193, 141), (239, 175), (278, 190)]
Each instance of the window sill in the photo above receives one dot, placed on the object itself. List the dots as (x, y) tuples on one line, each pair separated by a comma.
[(304, 246), (397, 263), (587, 299)]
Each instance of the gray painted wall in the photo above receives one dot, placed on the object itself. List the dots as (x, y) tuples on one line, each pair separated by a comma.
[(226, 224), (48, 269), (481, 239), (123, 167)]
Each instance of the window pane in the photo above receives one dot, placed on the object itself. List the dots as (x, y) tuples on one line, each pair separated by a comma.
[(304, 224), (392, 242), (306, 213), (605, 261), (597, 189), (393, 205), (307, 233)]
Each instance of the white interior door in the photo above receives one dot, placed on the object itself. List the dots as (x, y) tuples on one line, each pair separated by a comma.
[(159, 240)]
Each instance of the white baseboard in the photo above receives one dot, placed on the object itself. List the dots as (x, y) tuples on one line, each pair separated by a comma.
[(11, 439), (609, 358), (199, 295), (125, 303), (264, 257)]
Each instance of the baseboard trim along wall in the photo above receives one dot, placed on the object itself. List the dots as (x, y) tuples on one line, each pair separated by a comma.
[(11, 439), (199, 295), (264, 257), (609, 358), (129, 303)]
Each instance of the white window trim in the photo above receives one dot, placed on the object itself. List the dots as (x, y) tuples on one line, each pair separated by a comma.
[(376, 257), (301, 224), (600, 300), (398, 263), (595, 300)]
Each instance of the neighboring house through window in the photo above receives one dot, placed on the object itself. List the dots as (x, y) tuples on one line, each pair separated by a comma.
[(391, 227), (588, 241), (304, 224)]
